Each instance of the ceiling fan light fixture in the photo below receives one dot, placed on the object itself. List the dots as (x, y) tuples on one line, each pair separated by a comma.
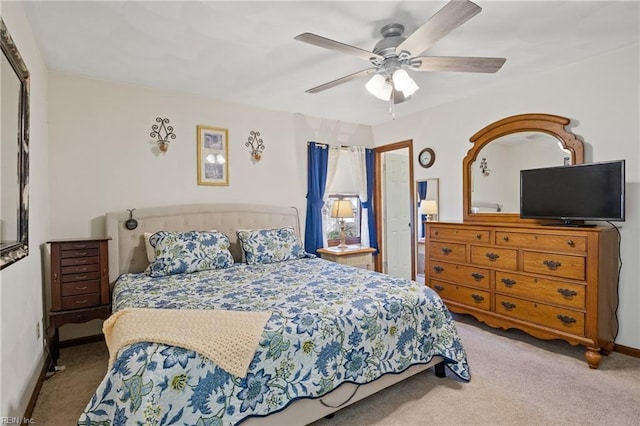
[(403, 82), (379, 87)]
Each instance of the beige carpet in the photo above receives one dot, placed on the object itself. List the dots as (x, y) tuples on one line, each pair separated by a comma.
[(516, 380)]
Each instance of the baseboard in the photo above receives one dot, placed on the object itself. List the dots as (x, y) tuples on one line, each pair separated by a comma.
[(627, 350), (81, 340), (28, 412)]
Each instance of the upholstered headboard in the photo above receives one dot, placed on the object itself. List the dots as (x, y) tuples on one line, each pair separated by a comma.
[(126, 247)]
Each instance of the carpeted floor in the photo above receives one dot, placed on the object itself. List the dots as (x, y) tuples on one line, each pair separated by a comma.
[(516, 380)]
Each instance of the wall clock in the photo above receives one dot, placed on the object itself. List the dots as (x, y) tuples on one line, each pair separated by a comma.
[(426, 157)]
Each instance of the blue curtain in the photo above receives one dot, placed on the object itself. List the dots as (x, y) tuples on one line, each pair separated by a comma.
[(422, 195), (317, 161), (373, 238)]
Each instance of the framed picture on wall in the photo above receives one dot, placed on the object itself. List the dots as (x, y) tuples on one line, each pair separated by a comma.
[(213, 156)]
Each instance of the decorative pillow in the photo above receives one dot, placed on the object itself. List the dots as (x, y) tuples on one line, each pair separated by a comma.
[(187, 252), (270, 245), (151, 252)]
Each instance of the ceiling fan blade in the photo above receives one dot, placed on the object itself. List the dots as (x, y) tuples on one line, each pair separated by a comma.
[(341, 80), (450, 17), (458, 63), (320, 41)]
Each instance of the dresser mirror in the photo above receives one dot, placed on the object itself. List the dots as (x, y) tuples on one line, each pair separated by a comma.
[(14, 152), (491, 168)]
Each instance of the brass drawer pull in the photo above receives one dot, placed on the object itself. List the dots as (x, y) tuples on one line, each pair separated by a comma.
[(80, 261), (565, 319), (446, 251), (438, 288), (570, 243), (492, 256), (477, 276), (506, 238), (79, 246), (508, 282), (508, 305), (552, 264), (81, 253), (82, 288), (438, 268), (81, 302), (566, 293), (477, 298), (479, 236), (81, 277)]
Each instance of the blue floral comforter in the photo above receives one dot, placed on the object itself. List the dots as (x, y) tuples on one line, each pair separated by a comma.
[(330, 324)]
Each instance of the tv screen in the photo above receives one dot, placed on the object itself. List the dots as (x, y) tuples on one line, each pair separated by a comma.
[(593, 191)]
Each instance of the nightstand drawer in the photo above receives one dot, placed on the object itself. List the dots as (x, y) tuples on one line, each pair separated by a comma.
[(87, 276), (64, 254), (72, 261), (72, 289), (78, 269), (80, 301), (80, 245)]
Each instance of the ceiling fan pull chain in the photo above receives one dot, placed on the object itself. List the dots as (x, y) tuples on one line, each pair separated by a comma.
[(392, 109)]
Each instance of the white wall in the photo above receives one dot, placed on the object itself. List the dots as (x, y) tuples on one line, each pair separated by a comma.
[(103, 158), (21, 302), (599, 95)]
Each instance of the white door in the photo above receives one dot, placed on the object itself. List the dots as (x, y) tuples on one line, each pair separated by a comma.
[(397, 214)]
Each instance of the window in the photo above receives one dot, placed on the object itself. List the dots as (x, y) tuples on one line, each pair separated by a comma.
[(352, 225)]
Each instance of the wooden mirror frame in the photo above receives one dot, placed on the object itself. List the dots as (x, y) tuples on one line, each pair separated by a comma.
[(553, 125), (14, 250)]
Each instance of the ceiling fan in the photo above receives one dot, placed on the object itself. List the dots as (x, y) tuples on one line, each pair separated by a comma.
[(394, 54)]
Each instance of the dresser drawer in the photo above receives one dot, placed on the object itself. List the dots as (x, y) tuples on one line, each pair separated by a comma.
[(449, 251), (64, 254), (77, 269), (460, 234), (494, 257), (568, 243), (73, 261), (539, 313), (463, 274), (557, 265), (542, 289), (72, 289), (457, 293), (80, 245), (80, 301)]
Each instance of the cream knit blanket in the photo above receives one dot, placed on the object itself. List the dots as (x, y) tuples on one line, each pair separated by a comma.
[(228, 338)]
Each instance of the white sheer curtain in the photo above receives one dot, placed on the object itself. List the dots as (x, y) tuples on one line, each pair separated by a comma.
[(332, 167), (358, 167)]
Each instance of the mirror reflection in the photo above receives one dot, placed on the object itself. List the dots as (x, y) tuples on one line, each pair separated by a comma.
[(495, 174), (427, 208)]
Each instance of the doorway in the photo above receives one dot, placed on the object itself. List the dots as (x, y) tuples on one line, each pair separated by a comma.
[(394, 207)]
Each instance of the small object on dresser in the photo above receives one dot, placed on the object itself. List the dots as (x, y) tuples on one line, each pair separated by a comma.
[(79, 285)]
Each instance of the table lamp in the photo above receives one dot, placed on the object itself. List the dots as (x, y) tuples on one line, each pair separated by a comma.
[(428, 207), (341, 210)]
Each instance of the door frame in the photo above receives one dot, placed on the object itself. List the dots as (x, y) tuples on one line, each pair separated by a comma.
[(377, 201)]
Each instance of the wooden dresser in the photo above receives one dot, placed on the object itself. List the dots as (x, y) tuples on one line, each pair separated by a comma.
[(551, 282), (79, 285)]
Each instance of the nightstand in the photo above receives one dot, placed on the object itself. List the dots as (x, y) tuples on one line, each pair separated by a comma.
[(79, 285), (360, 257)]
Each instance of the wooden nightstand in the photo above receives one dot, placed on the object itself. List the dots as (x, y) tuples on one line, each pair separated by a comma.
[(360, 257), (79, 285)]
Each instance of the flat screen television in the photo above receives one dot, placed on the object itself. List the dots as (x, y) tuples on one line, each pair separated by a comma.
[(569, 195)]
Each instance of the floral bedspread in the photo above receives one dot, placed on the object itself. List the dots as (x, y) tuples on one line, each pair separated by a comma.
[(330, 324)]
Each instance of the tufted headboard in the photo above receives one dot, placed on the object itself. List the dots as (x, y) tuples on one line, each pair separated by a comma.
[(127, 250)]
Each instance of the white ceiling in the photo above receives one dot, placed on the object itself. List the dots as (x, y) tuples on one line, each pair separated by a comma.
[(245, 52)]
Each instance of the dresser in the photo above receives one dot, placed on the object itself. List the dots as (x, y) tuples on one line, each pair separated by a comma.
[(550, 282), (79, 285), (360, 257)]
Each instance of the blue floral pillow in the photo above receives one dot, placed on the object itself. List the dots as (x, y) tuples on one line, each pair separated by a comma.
[(270, 245), (187, 252)]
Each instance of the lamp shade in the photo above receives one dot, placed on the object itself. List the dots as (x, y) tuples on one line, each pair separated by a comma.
[(379, 87), (428, 207), (342, 209), (403, 82)]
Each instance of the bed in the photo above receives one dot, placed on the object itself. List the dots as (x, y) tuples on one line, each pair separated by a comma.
[(334, 334)]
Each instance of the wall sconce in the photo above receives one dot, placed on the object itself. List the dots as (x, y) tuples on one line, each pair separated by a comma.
[(159, 131), (484, 167), (256, 146)]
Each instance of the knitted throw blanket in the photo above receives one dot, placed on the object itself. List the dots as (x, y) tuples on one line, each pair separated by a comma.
[(228, 338)]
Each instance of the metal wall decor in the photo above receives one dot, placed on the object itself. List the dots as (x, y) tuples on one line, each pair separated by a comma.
[(131, 223), (256, 145), (163, 133), (484, 167)]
